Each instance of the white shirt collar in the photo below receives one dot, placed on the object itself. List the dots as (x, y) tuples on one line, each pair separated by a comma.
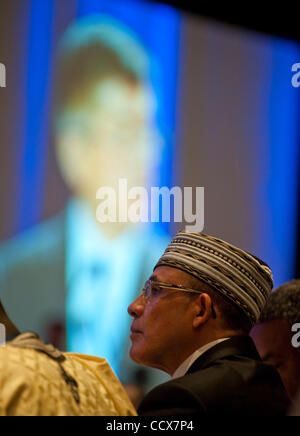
[(185, 366)]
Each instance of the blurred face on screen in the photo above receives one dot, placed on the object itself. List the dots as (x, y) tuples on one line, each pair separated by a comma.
[(109, 137)]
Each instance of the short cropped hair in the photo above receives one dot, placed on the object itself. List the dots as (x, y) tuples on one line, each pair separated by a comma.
[(283, 303), (92, 49)]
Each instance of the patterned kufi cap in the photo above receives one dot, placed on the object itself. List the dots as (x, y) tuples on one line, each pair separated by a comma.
[(239, 276)]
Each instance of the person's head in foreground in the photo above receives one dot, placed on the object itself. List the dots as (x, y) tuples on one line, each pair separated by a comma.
[(194, 317), (273, 335), (37, 379)]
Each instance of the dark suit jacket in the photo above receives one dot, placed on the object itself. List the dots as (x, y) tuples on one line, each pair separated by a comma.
[(229, 379)]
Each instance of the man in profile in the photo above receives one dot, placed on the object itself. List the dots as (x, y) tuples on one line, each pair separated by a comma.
[(274, 336), (74, 269), (193, 321)]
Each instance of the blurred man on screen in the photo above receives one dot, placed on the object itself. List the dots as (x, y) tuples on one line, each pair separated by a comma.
[(73, 270)]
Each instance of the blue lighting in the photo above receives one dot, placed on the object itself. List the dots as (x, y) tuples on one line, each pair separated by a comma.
[(34, 151), (279, 194)]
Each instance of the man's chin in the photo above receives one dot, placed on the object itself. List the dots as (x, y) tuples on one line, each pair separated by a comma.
[(138, 355), (141, 359), (134, 355)]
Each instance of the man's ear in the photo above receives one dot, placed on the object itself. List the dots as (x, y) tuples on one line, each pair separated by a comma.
[(203, 306)]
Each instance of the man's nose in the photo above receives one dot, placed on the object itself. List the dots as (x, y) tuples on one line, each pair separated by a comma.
[(137, 307)]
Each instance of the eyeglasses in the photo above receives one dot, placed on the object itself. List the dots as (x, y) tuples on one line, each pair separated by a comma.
[(153, 287)]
